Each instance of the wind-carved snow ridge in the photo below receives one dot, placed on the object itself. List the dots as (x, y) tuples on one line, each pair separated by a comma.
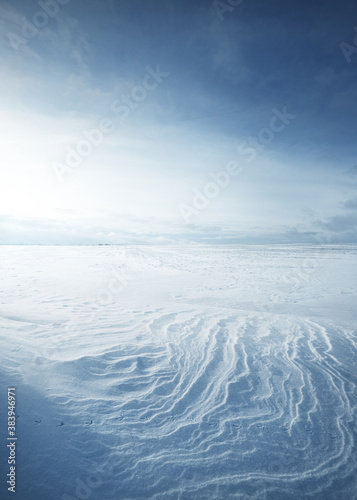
[(188, 384)]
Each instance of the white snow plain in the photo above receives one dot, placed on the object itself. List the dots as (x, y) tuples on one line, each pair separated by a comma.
[(193, 372)]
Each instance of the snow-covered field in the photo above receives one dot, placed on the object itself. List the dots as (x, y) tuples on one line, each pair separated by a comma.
[(180, 372)]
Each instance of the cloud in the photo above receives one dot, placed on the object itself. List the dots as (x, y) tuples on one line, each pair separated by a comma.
[(351, 204), (352, 172), (11, 24), (345, 223)]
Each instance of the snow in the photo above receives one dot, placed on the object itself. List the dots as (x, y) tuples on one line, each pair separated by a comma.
[(192, 372)]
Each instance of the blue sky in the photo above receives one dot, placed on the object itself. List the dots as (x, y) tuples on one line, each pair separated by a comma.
[(120, 120)]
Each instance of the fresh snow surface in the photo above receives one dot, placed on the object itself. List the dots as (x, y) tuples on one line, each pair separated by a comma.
[(184, 373)]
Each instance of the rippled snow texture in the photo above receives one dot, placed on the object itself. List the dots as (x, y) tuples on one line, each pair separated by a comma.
[(182, 373)]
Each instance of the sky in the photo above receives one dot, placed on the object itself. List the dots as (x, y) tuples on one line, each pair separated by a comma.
[(172, 121)]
